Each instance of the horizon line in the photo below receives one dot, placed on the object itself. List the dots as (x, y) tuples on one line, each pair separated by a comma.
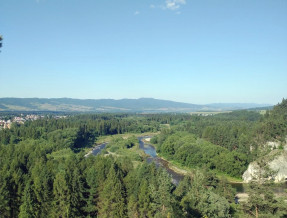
[(118, 99)]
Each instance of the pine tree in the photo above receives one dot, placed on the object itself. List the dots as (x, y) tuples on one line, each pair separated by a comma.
[(5, 209), (261, 201), (76, 190), (162, 199), (42, 187), (144, 200), (112, 198), (28, 207), (92, 200), (133, 207), (62, 196)]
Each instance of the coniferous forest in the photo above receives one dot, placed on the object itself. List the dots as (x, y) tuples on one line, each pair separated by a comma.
[(44, 171)]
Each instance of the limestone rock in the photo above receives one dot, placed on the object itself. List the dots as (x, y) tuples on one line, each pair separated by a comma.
[(273, 145), (279, 165), (252, 172), (273, 169)]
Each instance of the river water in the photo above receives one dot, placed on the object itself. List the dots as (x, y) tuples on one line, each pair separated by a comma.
[(177, 177), (159, 162), (99, 148), (149, 150)]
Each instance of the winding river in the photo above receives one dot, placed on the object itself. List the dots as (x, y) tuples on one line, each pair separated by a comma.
[(159, 162), (176, 177), (149, 150)]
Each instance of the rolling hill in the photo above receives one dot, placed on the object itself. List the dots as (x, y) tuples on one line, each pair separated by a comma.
[(111, 105)]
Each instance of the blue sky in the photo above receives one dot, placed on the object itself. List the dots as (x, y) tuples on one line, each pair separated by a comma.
[(195, 51)]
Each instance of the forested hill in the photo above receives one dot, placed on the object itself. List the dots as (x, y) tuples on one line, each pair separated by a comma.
[(111, 105), (44, 171)]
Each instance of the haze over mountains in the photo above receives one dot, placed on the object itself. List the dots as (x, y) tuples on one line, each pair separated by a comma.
[(111, 105)]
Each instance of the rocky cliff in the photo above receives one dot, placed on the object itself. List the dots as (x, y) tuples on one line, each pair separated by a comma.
[(270, 167)]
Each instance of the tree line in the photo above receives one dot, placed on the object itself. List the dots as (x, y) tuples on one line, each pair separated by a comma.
[(44, 172)]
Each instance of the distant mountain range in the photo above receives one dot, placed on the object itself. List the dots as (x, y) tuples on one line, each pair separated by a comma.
[(110, 105)]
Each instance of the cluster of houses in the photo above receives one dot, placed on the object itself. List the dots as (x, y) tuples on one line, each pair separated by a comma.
[(18, 119), (5, 124)]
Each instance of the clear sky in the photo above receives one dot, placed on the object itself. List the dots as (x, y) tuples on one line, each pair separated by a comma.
[(195, 51)]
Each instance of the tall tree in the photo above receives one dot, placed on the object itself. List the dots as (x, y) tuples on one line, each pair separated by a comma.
[(62, 207), (29, 206), (261, 201), (112, 198), (144, 200)]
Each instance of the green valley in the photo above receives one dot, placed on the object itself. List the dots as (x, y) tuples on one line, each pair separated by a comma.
[(45, 171)]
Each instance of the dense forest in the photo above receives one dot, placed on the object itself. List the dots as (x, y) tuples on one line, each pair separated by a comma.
[(226, 142), (44, 172)]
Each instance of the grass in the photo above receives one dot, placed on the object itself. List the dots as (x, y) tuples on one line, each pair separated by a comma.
[(109, 138), (179, 168), (231, 179), (116, 146), (220, 175), (176, 167), (135, 152), (262, 112), (64, 153), (209, 112)]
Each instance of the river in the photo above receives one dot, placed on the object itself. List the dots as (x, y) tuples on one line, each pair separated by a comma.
[(149, 150), (159, 162), (96, 150), (177, 177)]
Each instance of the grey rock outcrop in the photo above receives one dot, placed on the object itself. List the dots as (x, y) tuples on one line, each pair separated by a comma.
[(252, 172), (273, 145), (279, 165), (270, 167)]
